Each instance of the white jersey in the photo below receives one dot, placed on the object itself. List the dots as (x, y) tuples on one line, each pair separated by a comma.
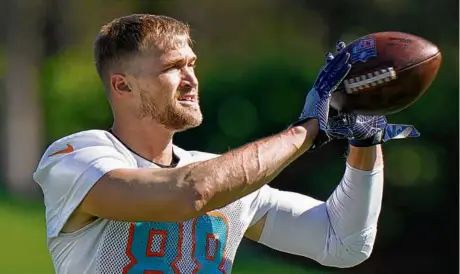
[(207, 244)]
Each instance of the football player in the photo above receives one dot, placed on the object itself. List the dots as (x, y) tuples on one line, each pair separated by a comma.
[(127, 200)]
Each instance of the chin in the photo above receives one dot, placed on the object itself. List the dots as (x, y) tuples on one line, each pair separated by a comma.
[(183, 120), (193, 122), (184, 127)]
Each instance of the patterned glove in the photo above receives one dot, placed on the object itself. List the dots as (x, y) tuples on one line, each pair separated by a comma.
[(330, 76), (365, 131)]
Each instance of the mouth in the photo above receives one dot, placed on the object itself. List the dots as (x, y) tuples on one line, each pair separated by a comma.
[(188, 99)]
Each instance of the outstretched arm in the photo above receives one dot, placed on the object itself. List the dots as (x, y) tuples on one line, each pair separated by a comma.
[(339, 232), (182, 193)]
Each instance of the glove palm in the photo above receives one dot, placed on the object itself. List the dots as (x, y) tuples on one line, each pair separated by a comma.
[(329, 78)]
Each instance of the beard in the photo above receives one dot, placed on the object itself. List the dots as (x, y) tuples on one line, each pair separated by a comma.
[(170, 113)]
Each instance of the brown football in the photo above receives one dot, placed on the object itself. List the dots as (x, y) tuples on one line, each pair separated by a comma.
[(390, 71)]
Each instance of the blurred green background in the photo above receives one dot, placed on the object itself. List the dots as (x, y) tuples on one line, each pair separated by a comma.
[(257, 60)]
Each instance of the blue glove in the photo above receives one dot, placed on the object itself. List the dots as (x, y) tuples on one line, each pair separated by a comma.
[(329, 78), (365, 131)]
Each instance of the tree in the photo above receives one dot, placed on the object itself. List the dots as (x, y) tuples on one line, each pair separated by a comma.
[(22, 140)]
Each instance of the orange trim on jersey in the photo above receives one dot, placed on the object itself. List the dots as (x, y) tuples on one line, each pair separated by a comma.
[(152, 233), (179, 250), (163, 233), (131, 257), (222, 263), (224, 256)]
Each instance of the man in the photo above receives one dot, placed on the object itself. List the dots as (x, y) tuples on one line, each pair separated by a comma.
[(129, 201)]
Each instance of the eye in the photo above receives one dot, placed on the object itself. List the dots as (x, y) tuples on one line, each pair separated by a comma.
[(173, 67)]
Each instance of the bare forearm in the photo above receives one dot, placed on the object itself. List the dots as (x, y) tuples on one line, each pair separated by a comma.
[(365, 158), (222, 180)]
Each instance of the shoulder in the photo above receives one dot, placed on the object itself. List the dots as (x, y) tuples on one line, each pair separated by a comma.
[(83, 144), (81, 139)]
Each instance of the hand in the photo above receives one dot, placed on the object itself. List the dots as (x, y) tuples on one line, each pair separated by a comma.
[(329, 78), (365, 131)]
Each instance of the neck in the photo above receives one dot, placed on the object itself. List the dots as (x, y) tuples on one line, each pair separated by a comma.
[(146, 138)]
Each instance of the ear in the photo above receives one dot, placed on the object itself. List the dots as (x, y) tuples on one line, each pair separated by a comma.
[(119, 83)]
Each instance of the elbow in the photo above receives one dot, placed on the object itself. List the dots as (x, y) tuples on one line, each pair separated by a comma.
[(352, 251), (202, 190), (352, 259), (182, 208), (195, 194), (191, 206), (348, 258)]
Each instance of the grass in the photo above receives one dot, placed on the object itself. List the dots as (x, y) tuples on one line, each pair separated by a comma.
[(23, 238), (22, 230)]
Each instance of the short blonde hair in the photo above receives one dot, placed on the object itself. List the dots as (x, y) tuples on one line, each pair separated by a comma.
[(133, 34)]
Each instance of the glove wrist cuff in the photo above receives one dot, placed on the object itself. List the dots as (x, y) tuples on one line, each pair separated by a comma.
[(321, 139), (363, 143)]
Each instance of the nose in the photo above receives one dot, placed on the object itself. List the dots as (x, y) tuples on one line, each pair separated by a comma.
[(189, 78)]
